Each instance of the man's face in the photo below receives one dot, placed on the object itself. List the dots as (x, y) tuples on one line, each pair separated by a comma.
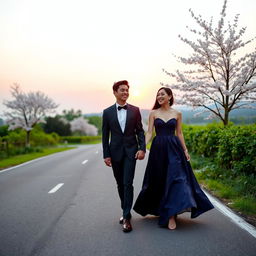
[(122, 93)]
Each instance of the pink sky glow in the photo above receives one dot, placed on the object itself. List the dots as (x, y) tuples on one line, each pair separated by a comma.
[(73, 51)]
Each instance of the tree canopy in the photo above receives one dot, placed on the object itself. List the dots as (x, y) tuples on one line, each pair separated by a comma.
[(221, 79), (27, 109)]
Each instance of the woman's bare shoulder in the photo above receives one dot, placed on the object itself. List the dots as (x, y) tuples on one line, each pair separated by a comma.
[(177, 113), (152, 113)]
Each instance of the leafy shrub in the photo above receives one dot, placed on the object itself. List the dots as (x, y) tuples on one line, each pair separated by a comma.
[(3, 130), (43, 139), (203, 140), (14, 142), (237, 149), (231, 147)]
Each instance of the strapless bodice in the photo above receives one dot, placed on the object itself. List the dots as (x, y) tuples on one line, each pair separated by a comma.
[(165, 128)]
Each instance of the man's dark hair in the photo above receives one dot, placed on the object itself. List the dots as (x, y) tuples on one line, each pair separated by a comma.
[(117, 84)]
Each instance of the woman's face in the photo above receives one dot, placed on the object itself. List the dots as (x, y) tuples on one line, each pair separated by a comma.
[(162, 97)]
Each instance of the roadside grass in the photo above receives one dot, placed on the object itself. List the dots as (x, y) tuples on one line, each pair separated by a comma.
[(246, 205), (223, 190), (19, 159), (237, 191)]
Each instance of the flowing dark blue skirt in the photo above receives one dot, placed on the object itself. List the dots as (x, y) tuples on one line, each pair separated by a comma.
[(169, 185)]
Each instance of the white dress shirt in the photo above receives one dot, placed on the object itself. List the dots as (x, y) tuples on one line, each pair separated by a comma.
[(121, 115)]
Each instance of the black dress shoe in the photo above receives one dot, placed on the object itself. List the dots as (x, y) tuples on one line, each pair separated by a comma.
[(121, 220), (127, 227)]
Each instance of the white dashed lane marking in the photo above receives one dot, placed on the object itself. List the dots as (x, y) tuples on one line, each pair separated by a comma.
[(56, 188), (85, 161)]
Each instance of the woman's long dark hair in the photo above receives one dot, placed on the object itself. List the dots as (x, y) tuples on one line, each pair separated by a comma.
[(169, 92)]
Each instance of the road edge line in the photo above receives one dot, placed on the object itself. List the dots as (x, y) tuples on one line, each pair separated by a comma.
[(30, 161), (232, 215)]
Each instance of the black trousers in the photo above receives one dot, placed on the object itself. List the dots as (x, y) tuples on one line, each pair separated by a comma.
[(124, 174)]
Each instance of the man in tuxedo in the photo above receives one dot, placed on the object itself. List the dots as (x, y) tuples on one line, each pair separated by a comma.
[(122, 124)]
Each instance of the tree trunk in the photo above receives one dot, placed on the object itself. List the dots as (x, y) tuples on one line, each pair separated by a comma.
[(225, 121), (28, 139)]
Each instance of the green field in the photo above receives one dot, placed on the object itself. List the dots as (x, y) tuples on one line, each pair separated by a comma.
[(19, 159)]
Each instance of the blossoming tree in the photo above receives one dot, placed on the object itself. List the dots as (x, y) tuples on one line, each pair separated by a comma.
[(26, 110), (82, 126), (221, 79)]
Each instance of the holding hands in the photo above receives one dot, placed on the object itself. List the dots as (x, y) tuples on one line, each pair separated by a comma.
[(140, 155), (108, 161)]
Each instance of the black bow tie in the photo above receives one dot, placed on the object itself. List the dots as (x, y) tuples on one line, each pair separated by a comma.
[(123, 107)]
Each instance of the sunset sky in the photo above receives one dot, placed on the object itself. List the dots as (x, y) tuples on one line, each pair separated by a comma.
[(74, 50)]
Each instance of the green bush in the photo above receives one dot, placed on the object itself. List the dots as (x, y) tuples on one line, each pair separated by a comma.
[(203, 140), (15, 138), (14, 143), (232, 147), (40, 138), (3, 130), (237, 149)]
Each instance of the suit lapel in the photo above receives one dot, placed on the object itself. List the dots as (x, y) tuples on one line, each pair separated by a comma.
[(115, 117), (128, 115)]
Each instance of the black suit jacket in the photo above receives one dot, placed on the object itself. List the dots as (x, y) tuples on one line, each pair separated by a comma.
[(127, 142)]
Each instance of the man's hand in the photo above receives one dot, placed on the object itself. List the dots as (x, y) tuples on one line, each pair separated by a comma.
[(108, 161), (140, 155)]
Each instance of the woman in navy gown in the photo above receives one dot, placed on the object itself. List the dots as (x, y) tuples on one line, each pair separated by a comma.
[(169, 185)]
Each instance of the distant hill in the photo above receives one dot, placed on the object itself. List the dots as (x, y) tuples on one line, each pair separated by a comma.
[(237, 116), (93, 114)]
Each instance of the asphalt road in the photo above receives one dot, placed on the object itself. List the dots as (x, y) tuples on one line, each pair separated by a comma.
[(80, 216)]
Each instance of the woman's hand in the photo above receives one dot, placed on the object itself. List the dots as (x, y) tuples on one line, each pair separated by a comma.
[(187, 155)]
